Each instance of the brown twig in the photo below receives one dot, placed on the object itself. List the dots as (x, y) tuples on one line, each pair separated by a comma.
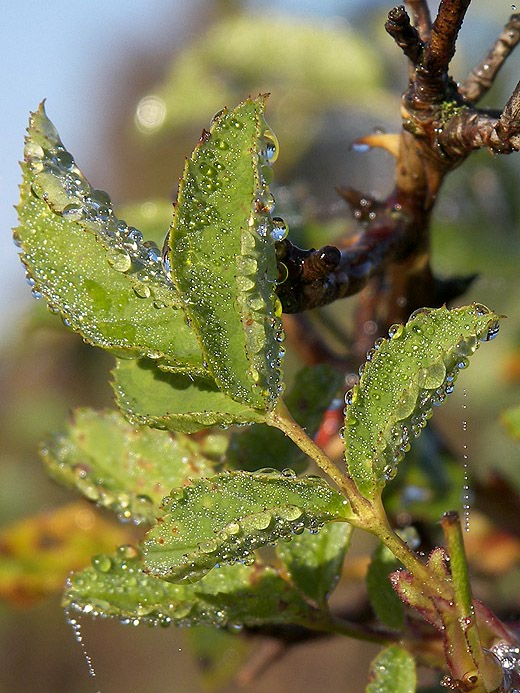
[(441, 45), (404, 34), (482, 76), (441, 127), (421, 17)]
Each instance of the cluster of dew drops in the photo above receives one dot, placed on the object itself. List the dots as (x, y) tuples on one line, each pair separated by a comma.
[(403, 432), (265, 229), (59, 182), (237, 541)]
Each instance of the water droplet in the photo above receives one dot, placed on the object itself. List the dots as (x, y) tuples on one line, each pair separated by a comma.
[(209, 546), (420, 311), (101, 563), (63, 160), (266, 174), (72, 212), (261, 520), (235, 123), (291, 513), (153, 252), (349, 397), (218, 115), (119, 260), (132, 234), (264, 203), (269, 146), (33, 151), (128, 551), (233, 528), (279, 229), (395, 331), (142, 290), (98, 199), (490, 333), (76, 629)]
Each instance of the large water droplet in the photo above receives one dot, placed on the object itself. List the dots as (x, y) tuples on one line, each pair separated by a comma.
[(395, 331), (119, 260), (101, 563), (269, 146), (279, 229), (142, 290), (72, 212), (490, 333)]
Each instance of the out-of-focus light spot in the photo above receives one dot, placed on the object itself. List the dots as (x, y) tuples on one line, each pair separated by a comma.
[(149, 210), (150, 113), (85, 519)]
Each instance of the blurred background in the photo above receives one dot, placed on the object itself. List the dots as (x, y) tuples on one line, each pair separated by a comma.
[(130, 85)]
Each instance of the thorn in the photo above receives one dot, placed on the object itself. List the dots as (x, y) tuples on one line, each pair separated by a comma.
[(390, 142)]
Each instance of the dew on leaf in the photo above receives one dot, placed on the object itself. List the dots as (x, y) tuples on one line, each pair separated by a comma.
[(269, 146), (279, 229), (119, 260), (73, 212), (101, 563), (490, 333)]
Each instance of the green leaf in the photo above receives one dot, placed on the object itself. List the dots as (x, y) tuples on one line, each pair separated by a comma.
[(314, 561), (237, 595), (263, 446), (126, 469), (90, 266), (403, 378), (224, 519), (383, 598), (392, 671), (176, 401), (223, 255)]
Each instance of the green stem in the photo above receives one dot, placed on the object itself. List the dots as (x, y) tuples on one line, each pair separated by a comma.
[(489, 671), (452, 530), (408, 558), (368, 515), (282, 419)]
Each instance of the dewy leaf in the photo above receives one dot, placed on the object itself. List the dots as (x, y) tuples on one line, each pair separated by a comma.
[(403, 378), (314, 561), (38, 552), (264, 446), (223, 254), (175, 401), (233, 596), (383, 598), (222, 520), (392, 671), (91, 267), (126, 469)]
